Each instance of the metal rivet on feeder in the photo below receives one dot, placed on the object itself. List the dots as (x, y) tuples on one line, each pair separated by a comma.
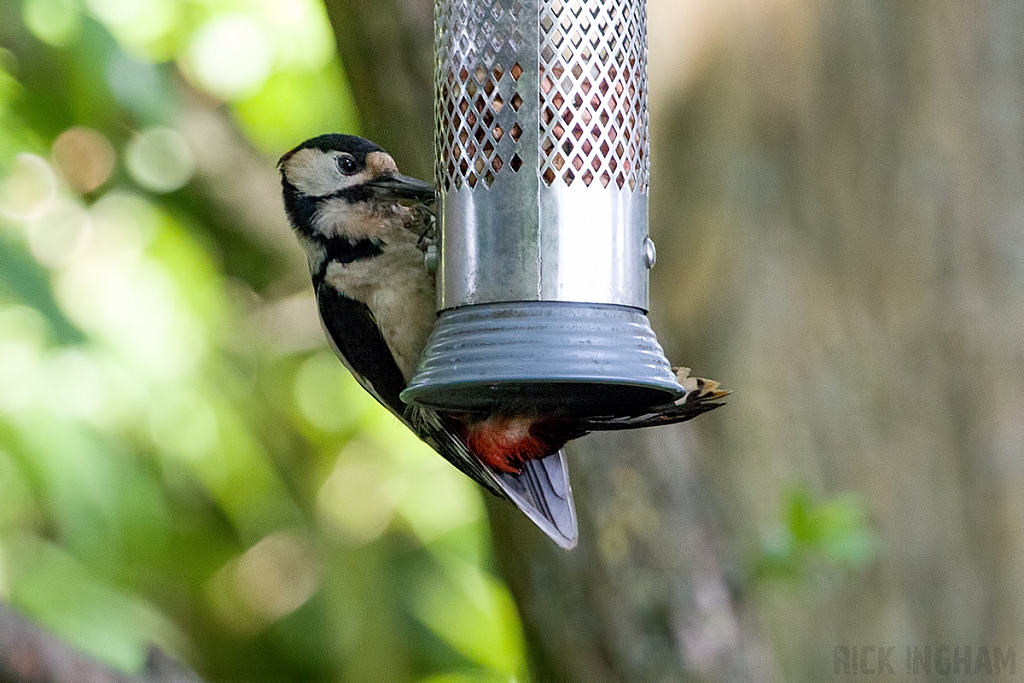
[(650, 253), (542, 169)]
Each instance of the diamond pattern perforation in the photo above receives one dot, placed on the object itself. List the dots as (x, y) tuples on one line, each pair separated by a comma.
[(477, 97), (593, 93)]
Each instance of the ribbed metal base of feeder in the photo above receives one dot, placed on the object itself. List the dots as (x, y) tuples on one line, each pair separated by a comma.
[(574, 358)]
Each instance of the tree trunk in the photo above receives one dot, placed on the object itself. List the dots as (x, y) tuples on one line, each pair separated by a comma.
[(387, 48), (645, 595), (838, 191), (638, 606), (836, 201)]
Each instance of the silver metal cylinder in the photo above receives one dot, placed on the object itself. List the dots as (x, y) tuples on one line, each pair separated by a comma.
[(542, 151), (542, 168)]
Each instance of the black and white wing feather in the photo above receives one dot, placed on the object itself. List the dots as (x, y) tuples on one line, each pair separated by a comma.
[(541, 491)]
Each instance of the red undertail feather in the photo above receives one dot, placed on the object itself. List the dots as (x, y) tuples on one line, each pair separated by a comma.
[(505, 443)]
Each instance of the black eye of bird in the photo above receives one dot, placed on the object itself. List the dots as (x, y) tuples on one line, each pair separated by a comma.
[(347, 164)]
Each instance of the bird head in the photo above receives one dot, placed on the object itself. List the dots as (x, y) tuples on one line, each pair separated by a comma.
[(338, 170)]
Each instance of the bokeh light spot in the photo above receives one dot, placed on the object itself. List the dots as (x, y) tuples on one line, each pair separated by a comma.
[(123, 224), (230, 56), (76, 386), (23, 323), (19, 372), (326, 395), (30, 188), (138, 23), (295, 106), (159, 159), (277, 575), (84, 157), (136, 310), (57, 236), (52, 21), (301, 32), (441, 500), (185, 427), (358, 498)]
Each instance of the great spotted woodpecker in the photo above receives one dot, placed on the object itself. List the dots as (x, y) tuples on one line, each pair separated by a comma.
[(362, 225)]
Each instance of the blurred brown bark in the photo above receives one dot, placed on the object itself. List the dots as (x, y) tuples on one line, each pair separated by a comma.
[(387, 49), (28, 654), (644, 595), (836, 200), (841, 184)]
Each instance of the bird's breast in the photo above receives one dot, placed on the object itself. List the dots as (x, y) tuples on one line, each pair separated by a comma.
[(399, 291)]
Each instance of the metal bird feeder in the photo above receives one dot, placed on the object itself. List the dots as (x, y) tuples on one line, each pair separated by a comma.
[(541, 134)]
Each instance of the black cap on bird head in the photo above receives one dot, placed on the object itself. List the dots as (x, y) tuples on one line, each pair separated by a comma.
[(336, 142)]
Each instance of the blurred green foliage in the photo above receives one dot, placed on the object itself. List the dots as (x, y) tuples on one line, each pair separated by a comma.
[(177, 468), (815, 536)]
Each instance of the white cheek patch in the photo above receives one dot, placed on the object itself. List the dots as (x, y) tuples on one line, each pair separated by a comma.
[(342, 218), (333, 216), (315, 173)]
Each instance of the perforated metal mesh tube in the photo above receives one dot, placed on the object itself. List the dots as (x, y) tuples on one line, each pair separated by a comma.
[(542, 171), (542, 150)]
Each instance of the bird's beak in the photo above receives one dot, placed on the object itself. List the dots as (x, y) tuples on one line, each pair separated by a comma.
[(398, 186)]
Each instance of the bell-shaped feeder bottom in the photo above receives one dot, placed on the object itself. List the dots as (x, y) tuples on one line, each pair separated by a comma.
[(540, 356)]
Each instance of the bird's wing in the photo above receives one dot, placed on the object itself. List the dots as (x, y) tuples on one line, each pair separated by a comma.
[(541, 491), (357, 341)]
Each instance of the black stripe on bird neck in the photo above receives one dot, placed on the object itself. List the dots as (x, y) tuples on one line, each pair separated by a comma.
[(302, 208), (344, 250)]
